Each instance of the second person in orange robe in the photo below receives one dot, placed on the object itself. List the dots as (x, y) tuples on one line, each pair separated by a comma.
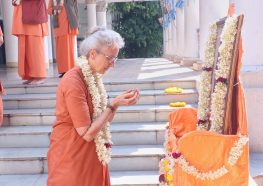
[(65, 22), (31, 49)]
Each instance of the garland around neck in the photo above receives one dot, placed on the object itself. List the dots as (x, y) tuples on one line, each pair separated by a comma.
[(99, 102)]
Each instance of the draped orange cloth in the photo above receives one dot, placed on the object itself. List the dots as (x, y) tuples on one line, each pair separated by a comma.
[(31, 50), (72, 161), (208, 151), (2, 92), (65, 41)]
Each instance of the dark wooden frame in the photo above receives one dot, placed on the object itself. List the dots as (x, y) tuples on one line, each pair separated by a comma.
[(228, 127)]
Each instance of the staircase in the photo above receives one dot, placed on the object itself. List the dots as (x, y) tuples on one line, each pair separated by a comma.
[(137, 131)]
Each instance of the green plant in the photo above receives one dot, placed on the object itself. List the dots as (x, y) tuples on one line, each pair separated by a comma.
[(137, 22)]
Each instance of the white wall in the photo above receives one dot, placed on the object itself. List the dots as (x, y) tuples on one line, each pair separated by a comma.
[(252, 30)]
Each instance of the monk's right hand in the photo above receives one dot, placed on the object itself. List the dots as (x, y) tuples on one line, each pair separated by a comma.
[(129, 97)]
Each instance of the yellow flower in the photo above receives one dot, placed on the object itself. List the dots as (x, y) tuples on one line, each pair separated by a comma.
[(178, 104), (171, 90), (165, 162), (166, 168), (169, 177), (171, 184)]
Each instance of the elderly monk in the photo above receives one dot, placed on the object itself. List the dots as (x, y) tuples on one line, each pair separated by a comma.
[(30, 26), (65, 22), (1, 37), (80, 141)]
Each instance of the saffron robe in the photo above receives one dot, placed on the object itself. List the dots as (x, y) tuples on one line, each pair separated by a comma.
[(71, 159), (65, 41), (31, 49)]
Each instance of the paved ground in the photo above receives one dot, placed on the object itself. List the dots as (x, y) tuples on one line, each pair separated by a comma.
[(129, 69)]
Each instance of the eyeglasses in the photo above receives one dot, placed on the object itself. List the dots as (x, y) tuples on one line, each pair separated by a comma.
[(109, 58)]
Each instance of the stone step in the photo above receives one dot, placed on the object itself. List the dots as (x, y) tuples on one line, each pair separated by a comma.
[(256, 167), (50, 87), (151, 97), (123, 178), (137, 113), (118, 178), (122, 134), (124, 158)]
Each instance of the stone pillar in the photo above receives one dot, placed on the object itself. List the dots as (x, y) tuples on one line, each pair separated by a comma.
[(76, 48), (165, 43), (209, 11), (91, 14), (169, 41), (48, 43), (101, 13), (179, 33), (252, 69), (46, 52), (191, 25), (173, 45), (11, 43)]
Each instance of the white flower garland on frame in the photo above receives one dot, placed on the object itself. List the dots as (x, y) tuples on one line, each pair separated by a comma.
[(222, 74), (99, 102), (205, 80), (217, 108)]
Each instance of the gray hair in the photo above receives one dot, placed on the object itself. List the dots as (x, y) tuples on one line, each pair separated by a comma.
[(100, 37)]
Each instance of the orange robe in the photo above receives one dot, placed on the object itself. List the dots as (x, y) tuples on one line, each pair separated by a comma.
[(72, 161), (65, 41), (31, 50), (2, 91)]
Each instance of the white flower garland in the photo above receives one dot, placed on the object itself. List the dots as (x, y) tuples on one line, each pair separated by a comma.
[(222, 73), (205, 80), (217, 108), (237, 150), (168, 163), (234, 154), (99, 102)]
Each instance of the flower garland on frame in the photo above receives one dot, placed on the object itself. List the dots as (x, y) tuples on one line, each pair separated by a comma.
[(205, 80), (99, 102), (172, 159), (222, 74)]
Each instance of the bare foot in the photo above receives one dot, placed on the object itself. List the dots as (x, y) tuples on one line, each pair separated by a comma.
[(27, 81), (37, 82)]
